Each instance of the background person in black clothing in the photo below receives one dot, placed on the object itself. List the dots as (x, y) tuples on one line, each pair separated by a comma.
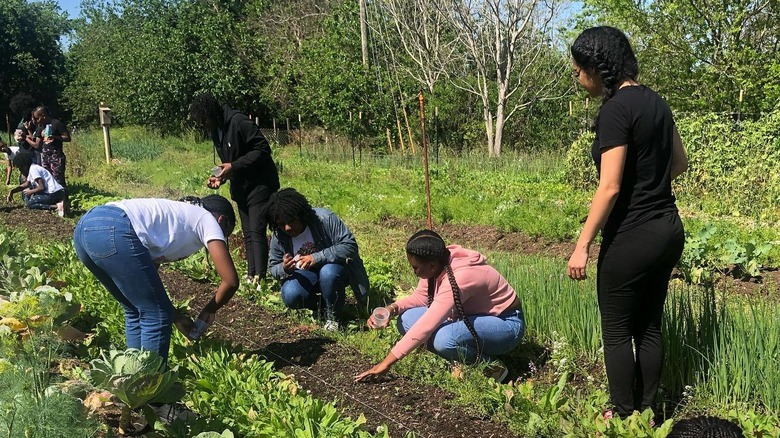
[(50, 135), (248, 165), (638, 152)]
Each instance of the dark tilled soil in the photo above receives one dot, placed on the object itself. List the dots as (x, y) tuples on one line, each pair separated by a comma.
[(327, 369)]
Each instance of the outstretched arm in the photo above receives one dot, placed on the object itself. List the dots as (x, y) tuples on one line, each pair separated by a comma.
[(223, 263)]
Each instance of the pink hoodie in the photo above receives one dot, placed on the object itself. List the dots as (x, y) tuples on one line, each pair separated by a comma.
[(483, 291)]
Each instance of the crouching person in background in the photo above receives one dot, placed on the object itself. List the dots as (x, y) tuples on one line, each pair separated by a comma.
[(40, 190), (463, 309), (315, 256), (123, 243)]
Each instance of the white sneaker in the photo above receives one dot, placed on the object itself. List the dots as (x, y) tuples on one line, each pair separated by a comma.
[(331, 326), (61, 209)]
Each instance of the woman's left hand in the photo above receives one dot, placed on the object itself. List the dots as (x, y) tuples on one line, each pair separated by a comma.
[(376, 371), (576, 269)]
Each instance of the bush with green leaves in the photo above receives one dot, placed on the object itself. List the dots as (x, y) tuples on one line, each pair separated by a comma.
[(580, 170), (734, 168)]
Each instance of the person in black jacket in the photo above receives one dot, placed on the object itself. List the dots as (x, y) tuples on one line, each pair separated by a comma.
[(248, 165)]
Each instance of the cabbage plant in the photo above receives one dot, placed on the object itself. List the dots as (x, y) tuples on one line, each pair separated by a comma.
[(137, 378)]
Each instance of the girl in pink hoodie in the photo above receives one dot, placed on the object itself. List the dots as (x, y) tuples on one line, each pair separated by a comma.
[(462, 309)]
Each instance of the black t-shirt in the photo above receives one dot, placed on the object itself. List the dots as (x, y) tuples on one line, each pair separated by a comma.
[(638, 117), (57, 128)]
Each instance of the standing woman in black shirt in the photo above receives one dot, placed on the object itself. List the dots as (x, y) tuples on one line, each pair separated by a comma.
[(637, 152), (248, 165)]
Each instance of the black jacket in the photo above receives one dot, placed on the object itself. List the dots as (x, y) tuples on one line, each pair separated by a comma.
[(243, 145)]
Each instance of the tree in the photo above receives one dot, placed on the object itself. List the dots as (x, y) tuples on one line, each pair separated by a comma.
[(508, 43), (31, 57), (423, 30), (700, 53)]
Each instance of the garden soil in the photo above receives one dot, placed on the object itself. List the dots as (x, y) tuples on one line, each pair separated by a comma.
[(325, 367)]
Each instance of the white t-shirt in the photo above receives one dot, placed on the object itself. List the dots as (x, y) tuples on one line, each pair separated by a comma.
[(303, 244), (36, 171), (14, 150), (170, 230)]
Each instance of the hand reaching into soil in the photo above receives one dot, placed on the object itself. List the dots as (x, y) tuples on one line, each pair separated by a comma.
[(377, 370), (367, 376)]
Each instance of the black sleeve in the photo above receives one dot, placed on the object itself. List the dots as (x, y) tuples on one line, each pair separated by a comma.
[(614, 125), (256, 146), (58, 128)]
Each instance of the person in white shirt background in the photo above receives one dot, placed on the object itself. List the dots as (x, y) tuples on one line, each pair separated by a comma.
[(40, 190)]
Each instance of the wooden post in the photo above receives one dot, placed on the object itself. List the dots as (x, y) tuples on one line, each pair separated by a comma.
[(352, 139), (739, 107), (389, 141), (276, 134), (400, 135), (425, 159), (105, 121), (408, 130), (300, 136)]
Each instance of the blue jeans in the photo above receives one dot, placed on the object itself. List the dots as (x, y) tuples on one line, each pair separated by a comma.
[(453, 341), (108, 246), (43, 201), (309, 289)]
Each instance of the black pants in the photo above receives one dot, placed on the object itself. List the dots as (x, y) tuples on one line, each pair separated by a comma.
[(634, 267), (253, 226)]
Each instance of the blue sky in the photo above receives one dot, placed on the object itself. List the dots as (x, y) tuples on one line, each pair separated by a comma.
[(71, 7)]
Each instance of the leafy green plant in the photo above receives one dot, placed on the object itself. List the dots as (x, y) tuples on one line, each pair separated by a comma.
[(698, 261), (254, 400), (746, 259), (136, 377)]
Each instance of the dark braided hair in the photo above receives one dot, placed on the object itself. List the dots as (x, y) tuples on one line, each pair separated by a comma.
[(606, 50), (428, 246), (285, 206), (706, 427), (215, 204)]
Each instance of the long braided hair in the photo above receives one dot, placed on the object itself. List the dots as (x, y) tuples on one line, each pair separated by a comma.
[(608, 51), (428, 246)]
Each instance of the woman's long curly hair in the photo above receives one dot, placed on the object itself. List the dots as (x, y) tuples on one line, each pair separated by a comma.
[(607, 51), (428, 246), (286, 205)]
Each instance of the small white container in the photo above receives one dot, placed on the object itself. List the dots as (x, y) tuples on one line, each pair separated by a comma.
[(380, 316)]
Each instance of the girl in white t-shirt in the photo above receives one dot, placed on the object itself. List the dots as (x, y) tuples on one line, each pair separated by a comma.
[(40, 190), (123, 243)]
